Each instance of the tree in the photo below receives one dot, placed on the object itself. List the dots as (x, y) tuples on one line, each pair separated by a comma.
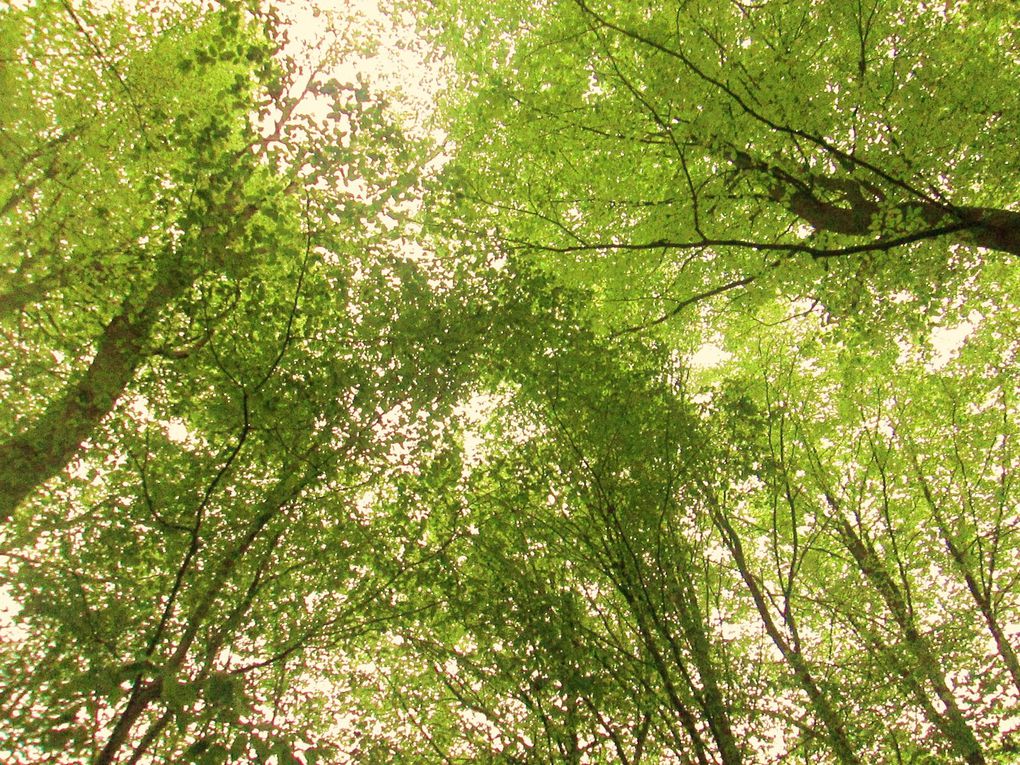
[(88, 229), (329, 445), (666, 155), (256, 363), (136, 206)]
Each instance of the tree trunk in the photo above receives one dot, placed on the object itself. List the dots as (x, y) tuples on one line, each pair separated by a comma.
[(981, 594), (49, 443), (829, 717), (712, 702), (987, 227), (862, 209), (141, 696), (953, 724)]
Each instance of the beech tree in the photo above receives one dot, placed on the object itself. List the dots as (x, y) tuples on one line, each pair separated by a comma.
[(213, 355), (653, 403), (666, 154), (89, 229), (149, 162), (819, 187)]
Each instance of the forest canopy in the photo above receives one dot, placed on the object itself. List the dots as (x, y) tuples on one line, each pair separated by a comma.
[(649, 397)]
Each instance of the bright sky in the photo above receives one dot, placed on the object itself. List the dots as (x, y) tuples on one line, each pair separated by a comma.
[(399, 66)]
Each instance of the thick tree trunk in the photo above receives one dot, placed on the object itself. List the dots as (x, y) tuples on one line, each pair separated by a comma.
[(993, 229), (46, 446), (141, 696), (862, 210)]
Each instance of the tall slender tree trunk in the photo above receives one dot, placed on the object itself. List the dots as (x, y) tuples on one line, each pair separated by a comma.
[(952, 722), (979, 592), (626, 572), (141, 696), (827, 714)]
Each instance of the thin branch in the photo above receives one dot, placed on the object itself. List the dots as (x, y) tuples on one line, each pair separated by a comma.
[(818, 141)]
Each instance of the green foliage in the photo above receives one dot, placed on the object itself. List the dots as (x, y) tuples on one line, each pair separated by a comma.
[(323, 447), (673, 155)]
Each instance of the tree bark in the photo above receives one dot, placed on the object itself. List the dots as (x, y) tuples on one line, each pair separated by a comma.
[(141, 696), (44, 448), (48, 444), (835, 729), (711, 699), (993, 229), (863, 211), (981, 594)]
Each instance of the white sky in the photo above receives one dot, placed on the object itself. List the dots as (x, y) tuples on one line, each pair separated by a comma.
[(400, 65)]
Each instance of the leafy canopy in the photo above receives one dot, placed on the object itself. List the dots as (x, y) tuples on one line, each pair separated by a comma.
[(325, 443)]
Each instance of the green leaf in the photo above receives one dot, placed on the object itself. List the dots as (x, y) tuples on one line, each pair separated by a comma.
[(197, 750), (179, 696)]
